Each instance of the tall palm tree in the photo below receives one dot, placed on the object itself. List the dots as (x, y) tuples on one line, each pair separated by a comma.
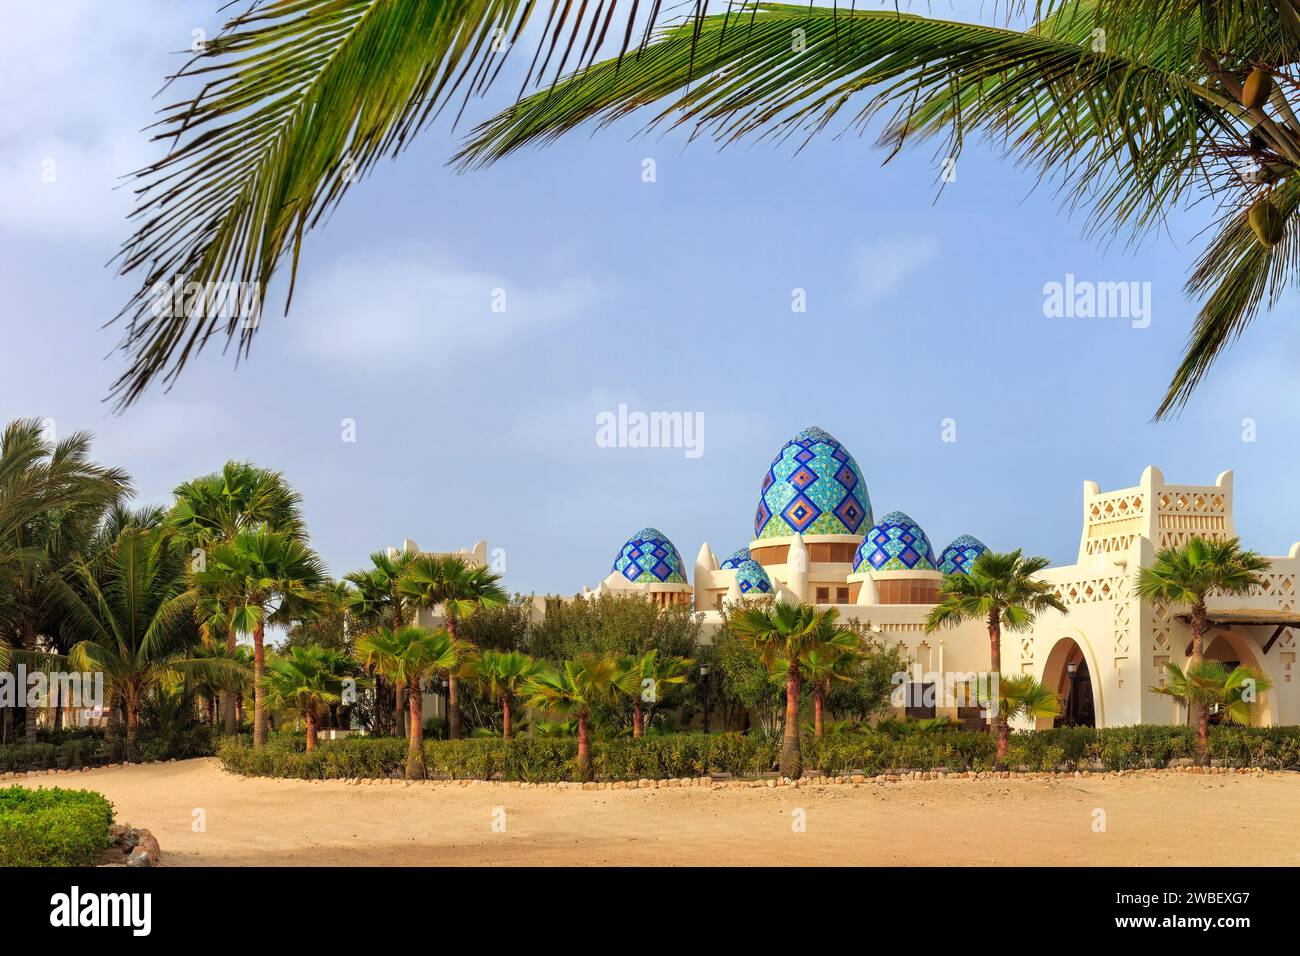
[(503, 674), (214, 509), (1002, 591), (375, 601), (263, 575), (642, 676), (1019, 695), (409, 656), (459, 588), (52, 498), (1187, 574), (131, 614), (1209, 686), (306, 678), (785, 635), (1135, 107), (575, 689), (839, 648)]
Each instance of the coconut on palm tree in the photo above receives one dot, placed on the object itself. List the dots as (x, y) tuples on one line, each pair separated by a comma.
[(459, 588), (643, 676), (575, 689), (1001, 590), (1209, 687), (504, 674), (262, 575), (409, 656), (305, 679)]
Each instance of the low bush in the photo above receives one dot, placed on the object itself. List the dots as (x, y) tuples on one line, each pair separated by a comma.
[(540, 759), (52, 827), (95, 748)]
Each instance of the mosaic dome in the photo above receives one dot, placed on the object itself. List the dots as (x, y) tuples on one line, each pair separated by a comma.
[(813, 486), (735, 559), (650, 558), (895, 543), (751, 578), (961, 554)]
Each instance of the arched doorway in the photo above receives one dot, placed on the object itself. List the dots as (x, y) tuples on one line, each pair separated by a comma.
[(1231, 648), (1067, 672)]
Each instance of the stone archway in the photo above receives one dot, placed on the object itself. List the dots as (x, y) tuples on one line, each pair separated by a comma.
[(1071, 671)]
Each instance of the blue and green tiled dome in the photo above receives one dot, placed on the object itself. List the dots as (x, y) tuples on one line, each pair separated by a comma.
[(751, 578), (650, 558), (961, 554), (735, 559), (813, 486), (895, 543)]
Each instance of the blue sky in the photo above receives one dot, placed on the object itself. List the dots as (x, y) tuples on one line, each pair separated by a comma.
[(672, 295)]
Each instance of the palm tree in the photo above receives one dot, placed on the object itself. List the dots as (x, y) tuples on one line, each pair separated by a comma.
[(785, 635), (1001, 590), (503, 674), (1207, 686), (575, 689), (52, 498), (304, 679), (1019, 695), (1136, 107), (642, 676), (409, 656), (459, 588), (214, 509), (374, 601), (1187, 574), (838, 650), (256, 570), (131, 615)]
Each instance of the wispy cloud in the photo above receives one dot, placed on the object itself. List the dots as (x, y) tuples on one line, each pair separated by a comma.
[(879, 269)]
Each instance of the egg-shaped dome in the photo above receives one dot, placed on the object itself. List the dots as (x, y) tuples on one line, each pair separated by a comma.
[(752, 578), (961, 554), (735, 559), (813, 486), (650, 558), (895, 543)]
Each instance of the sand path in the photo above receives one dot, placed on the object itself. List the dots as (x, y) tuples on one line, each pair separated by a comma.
[(950, 822)]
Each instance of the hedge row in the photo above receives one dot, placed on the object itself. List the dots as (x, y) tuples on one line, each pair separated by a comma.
[(93, 750), (52, 827), (541, 759)]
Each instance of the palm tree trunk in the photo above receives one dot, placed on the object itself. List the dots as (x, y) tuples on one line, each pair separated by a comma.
[(995, 665), (312, 723), (453, 697), (1203, 736), (584, 747), (791, 759), (506, 701), (819, 708), (999, 762), (399, 710), (29, 712), (1199, 624), (638, 722), (259, 693), (228, 696), (415, 740), (132, 725)]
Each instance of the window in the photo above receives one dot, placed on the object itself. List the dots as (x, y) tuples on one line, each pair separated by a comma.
[(823, 595), (841, 595)]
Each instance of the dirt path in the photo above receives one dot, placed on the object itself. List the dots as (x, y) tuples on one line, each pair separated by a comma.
[(1148, 820)]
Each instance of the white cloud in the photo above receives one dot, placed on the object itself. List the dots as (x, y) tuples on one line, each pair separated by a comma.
[(413, 307), (879, 269)]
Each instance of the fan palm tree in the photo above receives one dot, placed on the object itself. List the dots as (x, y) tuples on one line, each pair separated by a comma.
[(409, 656), (131, 615), (785, 635), (255, 571), (374, 601), (1019, 695), (1187, 574), (838, 650), (1000, 590), (574, 689), (503, 674), (52, 498), (215, 508), (1209, 686), (642, 676), (304, 679), (1134, 107), (459, 588)]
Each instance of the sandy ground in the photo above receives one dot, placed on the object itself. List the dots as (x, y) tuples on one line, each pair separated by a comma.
[(1148, 820)]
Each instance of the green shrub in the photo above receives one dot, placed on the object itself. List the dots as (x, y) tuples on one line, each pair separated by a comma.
[(52, 827), (93, 748), (541, 759)]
